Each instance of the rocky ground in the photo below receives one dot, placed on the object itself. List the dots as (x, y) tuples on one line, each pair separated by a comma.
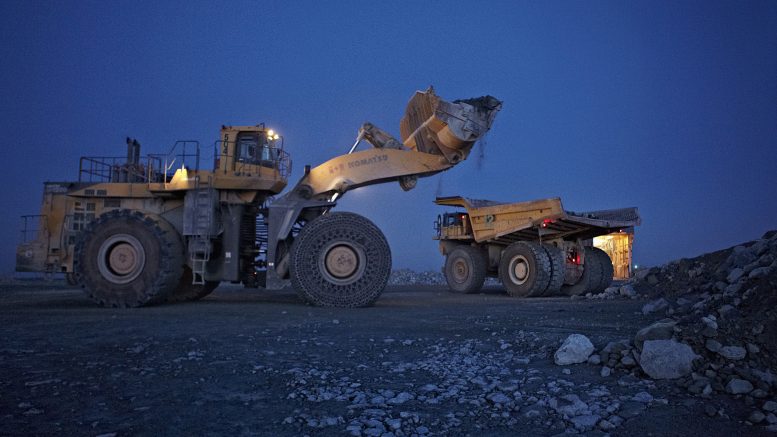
[(685, 349)]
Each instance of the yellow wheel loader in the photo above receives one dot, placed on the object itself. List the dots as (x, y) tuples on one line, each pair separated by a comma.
[(141, 230)]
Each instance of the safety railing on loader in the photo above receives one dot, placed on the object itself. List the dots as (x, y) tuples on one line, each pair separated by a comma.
[(184, 153), (149, 169), (116, 169)]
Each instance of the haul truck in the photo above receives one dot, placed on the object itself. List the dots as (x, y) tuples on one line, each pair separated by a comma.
[(535, 248), (138, 231)]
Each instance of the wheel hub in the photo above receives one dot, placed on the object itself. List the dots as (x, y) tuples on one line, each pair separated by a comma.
[(121, 258), (519, 269), (460, 270), (341, 261)]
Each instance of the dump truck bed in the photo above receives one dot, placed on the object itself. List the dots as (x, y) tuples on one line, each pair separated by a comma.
[(506, 223)]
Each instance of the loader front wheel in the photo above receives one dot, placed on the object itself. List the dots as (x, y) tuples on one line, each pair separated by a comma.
[(465, 269), (340, 260), (525, 269), (128, 259)]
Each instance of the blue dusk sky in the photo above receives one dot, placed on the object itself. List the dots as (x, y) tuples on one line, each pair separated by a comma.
[(670, 106)]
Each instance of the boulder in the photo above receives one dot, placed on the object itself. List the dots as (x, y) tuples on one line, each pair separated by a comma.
[(739, 386), (733, 352), (661, 330), (760, 272), (627, 291), (740, 257), (734, 275), (666, 359), (656, 305), (575, 349)]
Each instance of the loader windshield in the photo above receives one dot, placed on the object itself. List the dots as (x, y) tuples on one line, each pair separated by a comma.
[(255, 149)]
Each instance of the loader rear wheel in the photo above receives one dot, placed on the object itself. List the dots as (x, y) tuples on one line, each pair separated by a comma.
[(607, 269), (592, 276), (524, 269), (186, 291), (340, 260), (465, 269), (128, 259), (557, 260)]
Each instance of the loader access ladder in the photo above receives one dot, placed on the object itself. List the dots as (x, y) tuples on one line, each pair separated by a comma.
[(199, 205)]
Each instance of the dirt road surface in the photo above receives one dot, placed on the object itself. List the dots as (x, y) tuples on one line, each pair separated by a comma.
[(423, 361)]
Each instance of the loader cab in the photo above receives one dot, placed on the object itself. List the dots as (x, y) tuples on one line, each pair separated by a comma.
[(253, 154)]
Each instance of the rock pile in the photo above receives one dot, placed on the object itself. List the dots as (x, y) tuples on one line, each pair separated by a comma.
[(722, 307)]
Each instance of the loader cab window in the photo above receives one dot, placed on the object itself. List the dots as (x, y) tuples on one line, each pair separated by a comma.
[(253, 148)]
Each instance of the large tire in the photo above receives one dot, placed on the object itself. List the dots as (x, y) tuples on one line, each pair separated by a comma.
[(128, 259), (607, 269), (340, 259), (524, 269), (186, 291), (557, 266), (465, 269), (592, 275)]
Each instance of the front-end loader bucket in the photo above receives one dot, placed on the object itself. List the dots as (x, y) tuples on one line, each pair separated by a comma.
[(433, 125)]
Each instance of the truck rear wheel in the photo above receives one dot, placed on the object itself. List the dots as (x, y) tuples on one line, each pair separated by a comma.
[(557, 260), (340, 259), (465, 269), (607, 269), (524, 269), (592, 275), (186, 291), (128, 259)]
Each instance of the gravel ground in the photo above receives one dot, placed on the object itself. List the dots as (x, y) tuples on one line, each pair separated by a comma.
[(421, 362)]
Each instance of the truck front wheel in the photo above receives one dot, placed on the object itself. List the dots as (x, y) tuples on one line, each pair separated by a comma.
[(525, 269), (465, 269), (340, 259)]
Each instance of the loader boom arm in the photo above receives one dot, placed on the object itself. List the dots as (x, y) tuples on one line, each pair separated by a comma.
[(437, 135)]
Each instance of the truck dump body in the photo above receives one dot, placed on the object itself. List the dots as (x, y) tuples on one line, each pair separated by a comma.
[(507, 223)]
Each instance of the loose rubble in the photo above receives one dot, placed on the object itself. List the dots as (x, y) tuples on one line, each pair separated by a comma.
[(498, 387), (723, 306)]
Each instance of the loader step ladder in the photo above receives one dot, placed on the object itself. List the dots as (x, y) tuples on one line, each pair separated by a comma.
[(201, 215)]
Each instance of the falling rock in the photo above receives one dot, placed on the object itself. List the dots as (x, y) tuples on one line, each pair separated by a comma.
[(733, 352), (661, 330), (575, 349), (739, 386), (666, 359), (656, 305)]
